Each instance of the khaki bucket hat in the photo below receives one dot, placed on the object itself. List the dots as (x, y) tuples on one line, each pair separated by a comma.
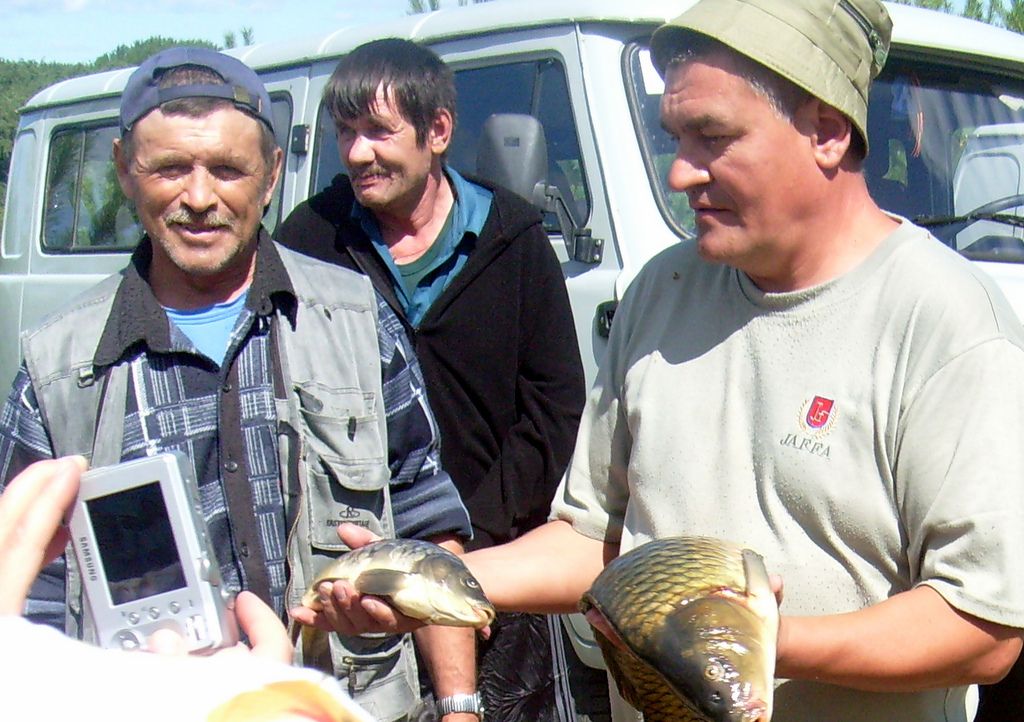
[(830, 48)]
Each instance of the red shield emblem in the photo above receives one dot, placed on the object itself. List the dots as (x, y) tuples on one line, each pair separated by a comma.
[(819, 411)]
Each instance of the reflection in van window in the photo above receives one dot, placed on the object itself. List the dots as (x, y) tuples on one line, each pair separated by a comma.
[(536, 87), (944, 144), (85, 209)]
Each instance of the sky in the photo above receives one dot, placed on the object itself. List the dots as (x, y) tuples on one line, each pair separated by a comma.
[(82, 30)]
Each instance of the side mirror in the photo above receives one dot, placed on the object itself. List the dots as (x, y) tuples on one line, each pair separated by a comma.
[(513, 152)]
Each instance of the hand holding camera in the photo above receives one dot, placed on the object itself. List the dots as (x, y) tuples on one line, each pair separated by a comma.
[(32, 510)]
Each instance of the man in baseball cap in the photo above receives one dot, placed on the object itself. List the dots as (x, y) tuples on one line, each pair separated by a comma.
[(212, 342), (810, 376)]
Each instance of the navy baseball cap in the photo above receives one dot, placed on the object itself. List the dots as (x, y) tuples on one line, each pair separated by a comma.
[(242, 86)]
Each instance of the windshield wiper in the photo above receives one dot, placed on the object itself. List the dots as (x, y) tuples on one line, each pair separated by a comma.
[(988, 212)]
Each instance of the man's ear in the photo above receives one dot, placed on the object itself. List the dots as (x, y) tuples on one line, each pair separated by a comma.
[(273, 176), (121, 162), (831, 134), (440, 135)]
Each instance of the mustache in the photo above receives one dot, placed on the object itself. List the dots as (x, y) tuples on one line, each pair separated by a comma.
[(186, 217), (370, 170)]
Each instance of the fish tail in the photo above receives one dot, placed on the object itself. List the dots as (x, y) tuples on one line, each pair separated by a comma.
[(315, 647)]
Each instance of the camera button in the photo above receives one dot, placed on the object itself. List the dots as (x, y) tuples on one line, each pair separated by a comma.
[(133, 617), (128, 639), (204, 568), (174, 607), (154, 613), (195, 627)]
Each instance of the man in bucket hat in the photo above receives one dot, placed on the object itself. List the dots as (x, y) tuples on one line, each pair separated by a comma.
[(287, 382), (811, 377)]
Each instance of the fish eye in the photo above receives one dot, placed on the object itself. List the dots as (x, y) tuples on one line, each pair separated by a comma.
[(472, 583), (714, 672)]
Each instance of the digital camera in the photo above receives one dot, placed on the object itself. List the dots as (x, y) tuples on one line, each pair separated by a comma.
[(145, 557)]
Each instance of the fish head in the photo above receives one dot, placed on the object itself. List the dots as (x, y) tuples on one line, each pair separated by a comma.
[(453, 593), (715, 652)]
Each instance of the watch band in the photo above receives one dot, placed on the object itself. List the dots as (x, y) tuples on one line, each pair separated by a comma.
[(461, 703)]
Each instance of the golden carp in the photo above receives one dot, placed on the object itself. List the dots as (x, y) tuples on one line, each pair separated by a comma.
[(420, 579), (696, 622)]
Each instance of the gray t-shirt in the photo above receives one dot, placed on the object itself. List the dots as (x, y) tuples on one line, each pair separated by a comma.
[(863, 435)]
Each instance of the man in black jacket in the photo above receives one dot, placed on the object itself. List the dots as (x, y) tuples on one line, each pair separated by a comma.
[(471, 273)]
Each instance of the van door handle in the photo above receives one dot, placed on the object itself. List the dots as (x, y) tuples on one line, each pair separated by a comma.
[(603, 318)]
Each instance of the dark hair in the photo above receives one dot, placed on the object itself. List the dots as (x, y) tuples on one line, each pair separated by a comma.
[(199, 107), (419, 82)]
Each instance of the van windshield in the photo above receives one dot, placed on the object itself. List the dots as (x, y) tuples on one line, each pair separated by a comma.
[(947, 150)]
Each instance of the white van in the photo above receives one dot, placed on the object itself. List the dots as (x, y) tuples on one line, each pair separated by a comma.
[(950, 100)]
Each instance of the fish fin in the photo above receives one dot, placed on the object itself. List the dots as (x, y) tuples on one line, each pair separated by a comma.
[(755, 572), (382, 582), (619, 665)]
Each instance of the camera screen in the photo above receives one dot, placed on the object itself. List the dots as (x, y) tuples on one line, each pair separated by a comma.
[(135, 543)]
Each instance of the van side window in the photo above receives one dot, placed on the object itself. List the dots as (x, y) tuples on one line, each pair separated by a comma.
[(281, 112), (85, 210), (535, 87)]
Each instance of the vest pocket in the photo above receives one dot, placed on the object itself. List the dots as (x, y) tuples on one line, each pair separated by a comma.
[(379, 673), (345, 432), (347, 462), (330, 503)]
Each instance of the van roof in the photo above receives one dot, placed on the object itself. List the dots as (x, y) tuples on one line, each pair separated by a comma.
[(913, 27)]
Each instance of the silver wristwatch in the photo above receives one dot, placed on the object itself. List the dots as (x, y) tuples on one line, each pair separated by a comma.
[(461, 703)]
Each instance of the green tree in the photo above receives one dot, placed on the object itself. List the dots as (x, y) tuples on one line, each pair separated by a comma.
[(943, 5), (985, 11), (231, 40), (995, 12), (1012, 15), (127, 56), (419, 6)]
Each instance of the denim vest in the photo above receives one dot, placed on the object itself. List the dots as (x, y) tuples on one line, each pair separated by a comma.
[(332, 440)]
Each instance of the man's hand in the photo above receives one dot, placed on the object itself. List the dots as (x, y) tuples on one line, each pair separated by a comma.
[(348, 612), (268, 638), (32, 511)]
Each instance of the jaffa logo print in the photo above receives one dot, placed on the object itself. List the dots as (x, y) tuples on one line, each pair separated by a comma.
[(819, 415)]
